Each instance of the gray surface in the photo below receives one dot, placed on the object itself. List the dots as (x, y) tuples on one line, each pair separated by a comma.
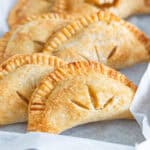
[(119, 131), (142, 22)]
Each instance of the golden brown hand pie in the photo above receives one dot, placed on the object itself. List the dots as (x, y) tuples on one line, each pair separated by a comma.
[(31, 36), (101, 37), (26, 8), (19, 76), (123, 8), (78, 93)]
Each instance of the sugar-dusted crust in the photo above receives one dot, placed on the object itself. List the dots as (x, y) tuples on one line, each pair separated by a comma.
[(19, 76), (55, 17), (133, 52), (121, 8), (78, 25), (26, 8), (58, 83), (31, 36), (20, 60)]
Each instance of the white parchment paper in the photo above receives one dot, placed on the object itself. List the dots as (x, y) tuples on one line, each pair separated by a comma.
[(126, 132), (43, 141), (141, 104)]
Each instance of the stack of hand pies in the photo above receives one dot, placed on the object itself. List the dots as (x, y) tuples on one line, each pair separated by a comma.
[(57, 59)]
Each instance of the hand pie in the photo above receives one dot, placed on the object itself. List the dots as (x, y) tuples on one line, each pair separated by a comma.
[(19, 76), (123, 8), (30, 37), (79, 93), (101, 37), (26, 8)]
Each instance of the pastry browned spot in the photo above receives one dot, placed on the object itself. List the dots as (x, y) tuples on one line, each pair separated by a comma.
[(26, 100), (147, 2), (112, 52)]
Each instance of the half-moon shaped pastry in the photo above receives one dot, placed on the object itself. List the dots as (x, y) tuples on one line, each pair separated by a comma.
[(101, 37), (26, 8), (79, 93), (123, 8), (31, 36), (19, 76)]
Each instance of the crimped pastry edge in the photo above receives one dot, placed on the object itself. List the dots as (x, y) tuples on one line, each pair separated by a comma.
[(67, 32), (18, 60), (57, 8), (47, 16), (61, 73), (83, 66)]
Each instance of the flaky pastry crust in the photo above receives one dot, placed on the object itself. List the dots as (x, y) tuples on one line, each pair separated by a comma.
[(27, 8), (121, 8), (30, 37), (19, 76), (101, 37), (78, 93)]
